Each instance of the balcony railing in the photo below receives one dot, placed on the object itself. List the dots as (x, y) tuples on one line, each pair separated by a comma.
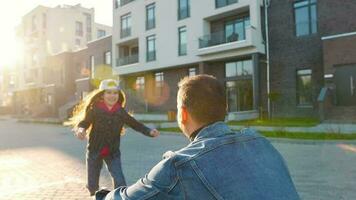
[(218, 38), (127, 60), (125, 32)]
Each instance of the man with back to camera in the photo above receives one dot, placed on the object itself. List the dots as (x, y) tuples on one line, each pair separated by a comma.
[(218, 163)]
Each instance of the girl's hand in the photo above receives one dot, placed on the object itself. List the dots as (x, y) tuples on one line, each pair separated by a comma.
[(80, 133), (154, 133)]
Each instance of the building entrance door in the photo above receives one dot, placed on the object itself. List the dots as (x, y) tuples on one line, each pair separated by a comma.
[(345, 81)]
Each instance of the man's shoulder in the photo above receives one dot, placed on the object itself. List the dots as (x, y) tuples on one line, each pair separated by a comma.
[(197, 148)]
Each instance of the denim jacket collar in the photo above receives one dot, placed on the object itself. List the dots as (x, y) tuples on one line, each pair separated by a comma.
[(216, 129)]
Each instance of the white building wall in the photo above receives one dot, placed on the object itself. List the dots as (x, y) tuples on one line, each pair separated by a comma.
[(166, 31)]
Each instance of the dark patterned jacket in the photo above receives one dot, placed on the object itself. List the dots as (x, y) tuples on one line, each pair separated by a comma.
[(106, 128)]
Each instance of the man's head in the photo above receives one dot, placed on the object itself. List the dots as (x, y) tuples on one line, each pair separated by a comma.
[(201, 100)]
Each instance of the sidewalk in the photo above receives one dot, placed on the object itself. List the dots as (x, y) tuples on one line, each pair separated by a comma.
[(320, 128)]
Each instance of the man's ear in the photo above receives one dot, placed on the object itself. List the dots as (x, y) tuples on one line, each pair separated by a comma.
[(184, 114)]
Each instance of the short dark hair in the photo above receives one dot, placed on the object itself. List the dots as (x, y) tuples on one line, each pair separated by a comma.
[(204, 97)]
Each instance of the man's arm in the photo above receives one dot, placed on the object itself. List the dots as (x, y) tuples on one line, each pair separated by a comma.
[(158, 184)]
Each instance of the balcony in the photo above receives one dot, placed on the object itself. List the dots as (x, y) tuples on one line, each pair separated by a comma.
[(125, 32), (217, 42), (218, 38), (127, 60)]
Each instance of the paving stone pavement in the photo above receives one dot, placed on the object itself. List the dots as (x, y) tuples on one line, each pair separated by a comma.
[(39, 161)]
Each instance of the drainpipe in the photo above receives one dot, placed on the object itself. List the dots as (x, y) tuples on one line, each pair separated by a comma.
[(266, 5)]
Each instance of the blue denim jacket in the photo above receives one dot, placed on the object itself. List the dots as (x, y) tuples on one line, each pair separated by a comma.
[(218, 164)]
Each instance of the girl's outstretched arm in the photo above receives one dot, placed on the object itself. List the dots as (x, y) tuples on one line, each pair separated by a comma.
[(138, 126)]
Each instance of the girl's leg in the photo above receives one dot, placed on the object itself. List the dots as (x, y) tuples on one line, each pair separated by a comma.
[(94, 165), (113, 164)]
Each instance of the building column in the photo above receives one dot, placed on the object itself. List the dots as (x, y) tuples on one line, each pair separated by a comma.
[(256, 81), (202, 68)]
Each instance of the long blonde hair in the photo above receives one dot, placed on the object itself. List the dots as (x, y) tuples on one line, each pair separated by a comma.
[(81, 110)]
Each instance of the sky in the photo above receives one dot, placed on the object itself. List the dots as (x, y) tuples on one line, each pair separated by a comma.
[(12, 11)]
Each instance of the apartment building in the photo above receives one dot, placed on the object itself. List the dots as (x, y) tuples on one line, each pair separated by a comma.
[(49, 32), (7, 85), (80, 72), (158, 42), (312, 57)]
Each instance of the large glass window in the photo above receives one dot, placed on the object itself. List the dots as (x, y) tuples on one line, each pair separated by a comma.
[(89, 26), (239, 85), (305, 17), (182, 40), (33, 23), (236, 29), (107, 57), (159, 80), (192, 71), (101, 33), (140, 86), (150, 17), (304, 87), (222, 3), (78, 28), (125, 26), (183, 9), (44, 20), (151, 48)]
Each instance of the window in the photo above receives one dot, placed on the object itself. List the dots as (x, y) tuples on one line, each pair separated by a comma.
[(101, 33), (34, 23), (125, 25), (151, 48), (192, 71), (140, 86), (239, 85), (78, 28), (305, 17), (107, 58), (89, 27), (124, 2), (150, 17), (12, 80), (222, 3), (304, 87), (182, 41), (159, 80), (92, 66), (116, 4), (77, 42), (183, 9), (44, 20), (235, 30)]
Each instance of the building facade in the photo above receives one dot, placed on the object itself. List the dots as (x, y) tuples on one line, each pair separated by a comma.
[(156, 43), (311, 49), (49, 34)]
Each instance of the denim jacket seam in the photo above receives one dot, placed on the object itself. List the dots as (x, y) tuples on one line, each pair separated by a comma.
[(180, 178), (204, 181), (181, 162)]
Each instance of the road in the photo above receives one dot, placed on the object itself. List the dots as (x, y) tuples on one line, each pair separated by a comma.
[(40, 161)]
